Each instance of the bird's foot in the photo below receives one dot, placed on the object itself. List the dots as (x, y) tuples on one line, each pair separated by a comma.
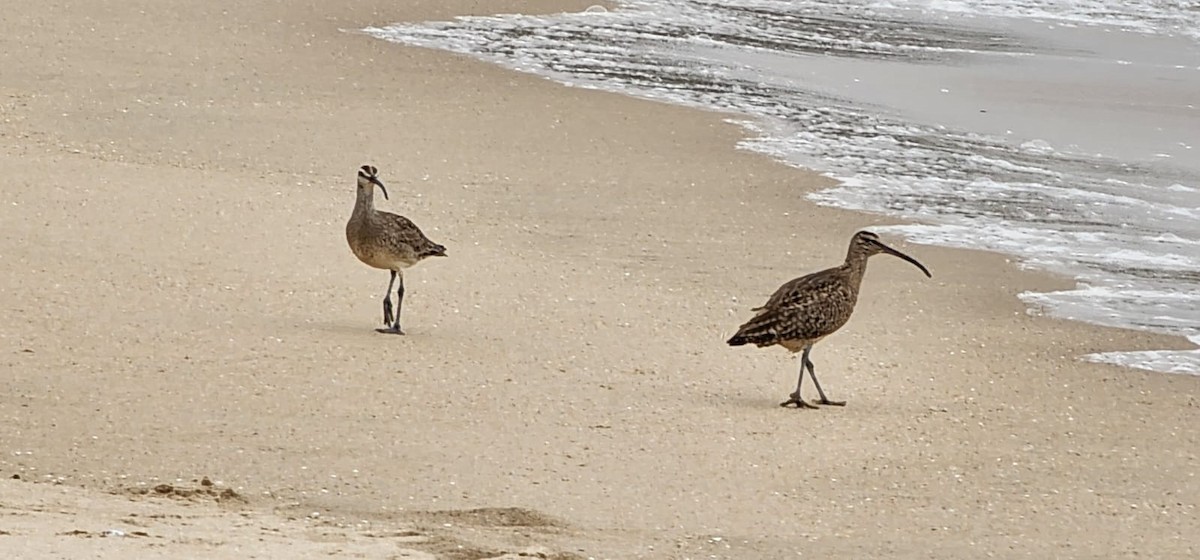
[(796, 400), (388, 319), (831, 403), (394, 329)]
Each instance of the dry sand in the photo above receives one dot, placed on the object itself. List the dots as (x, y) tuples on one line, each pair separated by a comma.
[(180, 303)]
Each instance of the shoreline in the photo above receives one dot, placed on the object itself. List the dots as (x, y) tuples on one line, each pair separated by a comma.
[(1050, 303), (566, 359)]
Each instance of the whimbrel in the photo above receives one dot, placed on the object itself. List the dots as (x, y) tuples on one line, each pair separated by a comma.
[(387, 241), (802, 312)]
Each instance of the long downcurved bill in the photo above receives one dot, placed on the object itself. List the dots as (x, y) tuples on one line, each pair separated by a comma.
[(896, 253), (385, 196)]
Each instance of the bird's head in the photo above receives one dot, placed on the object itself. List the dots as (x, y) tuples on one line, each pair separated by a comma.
[(368, 179), (867, 244)]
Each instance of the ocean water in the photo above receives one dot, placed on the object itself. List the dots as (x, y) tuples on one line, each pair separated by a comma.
[(1063, 132)]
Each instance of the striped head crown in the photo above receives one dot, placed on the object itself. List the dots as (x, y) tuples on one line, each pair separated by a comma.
[(865, 237), (867, 243), (368, 179)]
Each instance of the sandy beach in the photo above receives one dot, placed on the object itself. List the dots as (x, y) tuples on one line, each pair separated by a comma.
[(180, 305)]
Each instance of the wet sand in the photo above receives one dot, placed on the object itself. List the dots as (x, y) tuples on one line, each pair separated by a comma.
[(181, 304)]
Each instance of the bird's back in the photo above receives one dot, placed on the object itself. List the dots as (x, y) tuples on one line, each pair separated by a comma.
[(802, 311), (389, 241)]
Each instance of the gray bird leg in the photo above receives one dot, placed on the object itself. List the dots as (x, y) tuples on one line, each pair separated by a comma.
[(394, 328), (806, 363), (795, 397), (387, 301)]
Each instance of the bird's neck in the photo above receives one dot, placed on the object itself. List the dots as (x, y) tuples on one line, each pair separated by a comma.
[(856, 265), (365, 203)]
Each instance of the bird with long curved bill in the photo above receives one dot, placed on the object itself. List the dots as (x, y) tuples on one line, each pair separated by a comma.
[(386, 241), (802, 312)]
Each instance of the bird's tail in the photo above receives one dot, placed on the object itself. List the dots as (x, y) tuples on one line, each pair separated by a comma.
[(738, 340), (435, 251), (759, 331)]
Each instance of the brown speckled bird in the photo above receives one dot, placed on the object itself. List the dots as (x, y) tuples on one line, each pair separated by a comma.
[(387, 241), (802, 312)]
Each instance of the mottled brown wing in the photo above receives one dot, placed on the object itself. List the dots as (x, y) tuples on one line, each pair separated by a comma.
[(806, 283), (407, 233), (806, 308)]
